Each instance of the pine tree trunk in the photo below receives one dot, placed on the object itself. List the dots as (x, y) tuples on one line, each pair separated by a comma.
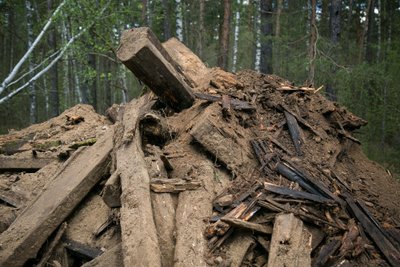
[(201, 28), (369, 56), (145, 18), (277, 57), (166, 27), (313, 42), (266, 36), (334, 22), (224, 36)]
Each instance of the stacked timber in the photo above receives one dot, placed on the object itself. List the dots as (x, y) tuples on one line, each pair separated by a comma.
[(209, 168)]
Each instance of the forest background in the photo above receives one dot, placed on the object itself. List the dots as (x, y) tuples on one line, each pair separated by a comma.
[(351, 47)]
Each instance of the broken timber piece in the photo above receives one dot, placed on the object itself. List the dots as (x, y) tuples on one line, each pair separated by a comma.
[(238, 223), (111, 257), (226, 106), (173, 185), (34, 225), (81, 250), (23, 164), (326, 252), (383, 243), (295, 132), (112, 191), (290, 243), (191, 65), (12, 198), (52, 245), (142, 53), (140, 245)]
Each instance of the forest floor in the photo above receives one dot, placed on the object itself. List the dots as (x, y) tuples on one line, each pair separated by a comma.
[(210, 144)]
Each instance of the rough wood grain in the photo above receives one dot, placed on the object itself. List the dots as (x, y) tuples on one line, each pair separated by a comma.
[(190, 64), (193, 207), (290, 243), (20, 164), (112, 191), (238, 246), (238, 223), (139, 236), (143, 54), (173, 185), (34, 225)]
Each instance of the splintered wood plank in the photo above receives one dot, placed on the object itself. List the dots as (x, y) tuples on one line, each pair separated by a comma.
[(140, 245), (290, 243), (34, 225), (192, 66), (295, 132), (238, 223), (173, 185), (193, 207), (24, 164), (142, 53)]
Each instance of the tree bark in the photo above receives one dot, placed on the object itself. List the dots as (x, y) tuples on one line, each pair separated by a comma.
[(166, 26), (266, 36), (236, 36), (222, 61), (201, 28), (312, 51)]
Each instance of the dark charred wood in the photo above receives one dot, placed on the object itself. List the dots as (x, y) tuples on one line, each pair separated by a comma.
[(82, 251), (295, 132), (326, 252)]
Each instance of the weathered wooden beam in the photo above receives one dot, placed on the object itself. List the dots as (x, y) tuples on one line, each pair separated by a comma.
[(142, 53), (193, 207), (295, 132), (52, 245), (290, 243), (12, 198), (140, 245), (111, 194), (23, 164), (238, 223), (383, 243), (296, 194), (191, 65), (65, 191), (326, 252), (173, 185)]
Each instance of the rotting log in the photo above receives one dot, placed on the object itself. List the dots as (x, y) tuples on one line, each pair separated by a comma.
[(140, 245), (193, 207), (111, 257), (34, 225), (190, 64), (24, 164), (295, 132), (142, 53), (111, 194), (290, 243)]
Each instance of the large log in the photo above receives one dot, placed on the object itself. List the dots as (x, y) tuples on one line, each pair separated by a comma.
[(290, 243), (139, 236), (142, 53), (23, 239)]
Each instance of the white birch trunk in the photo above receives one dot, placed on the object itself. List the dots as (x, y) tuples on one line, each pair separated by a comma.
[(179, 20), (257, 59), (16, 68), (32, 90), (236, 37)]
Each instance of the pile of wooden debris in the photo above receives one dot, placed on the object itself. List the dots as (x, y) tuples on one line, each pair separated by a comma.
[(209, 168)]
